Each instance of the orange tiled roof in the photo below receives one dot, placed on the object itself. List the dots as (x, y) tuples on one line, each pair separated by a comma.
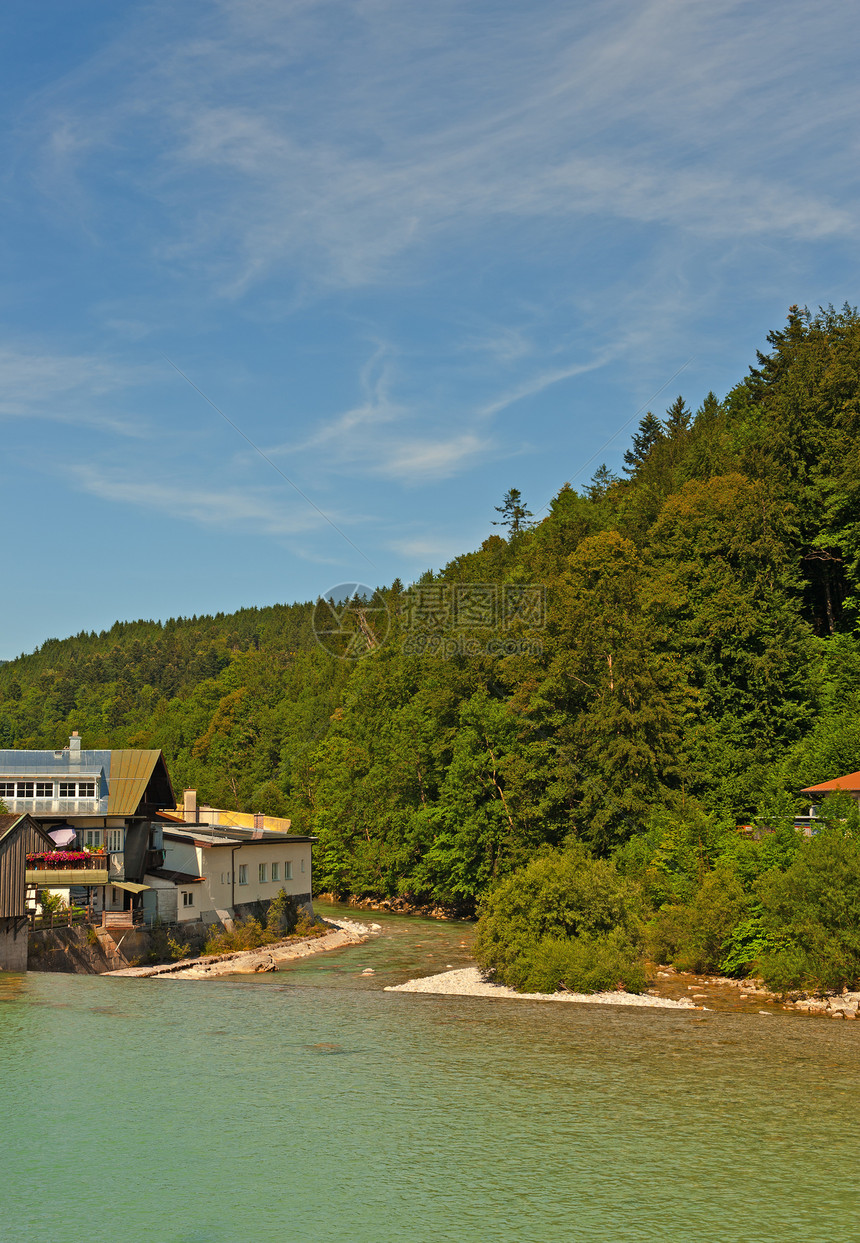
[(850, 783)]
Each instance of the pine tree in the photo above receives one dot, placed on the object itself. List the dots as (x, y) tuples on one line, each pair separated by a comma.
[(514, 513), (678, 419), (601, 481), (650, 434)]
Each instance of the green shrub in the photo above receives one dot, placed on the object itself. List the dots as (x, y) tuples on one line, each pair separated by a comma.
[(745, 945), (693, 936), (563, 915), (51, 903), (811, 912), (246, 934), (178, 949), (588, 964), (283, 914)]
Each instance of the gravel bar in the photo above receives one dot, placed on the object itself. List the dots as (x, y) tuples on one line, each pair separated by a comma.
[(470, 982)]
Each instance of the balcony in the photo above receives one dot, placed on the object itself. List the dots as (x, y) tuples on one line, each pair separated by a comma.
[(58, 869)]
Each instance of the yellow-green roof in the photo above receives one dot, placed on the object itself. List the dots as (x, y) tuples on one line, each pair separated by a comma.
[(130, 772)]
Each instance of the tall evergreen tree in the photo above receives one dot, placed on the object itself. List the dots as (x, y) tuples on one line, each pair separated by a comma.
[(650, 433)]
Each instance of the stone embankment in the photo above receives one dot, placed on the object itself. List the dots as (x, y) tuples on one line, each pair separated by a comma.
[(248, 962)]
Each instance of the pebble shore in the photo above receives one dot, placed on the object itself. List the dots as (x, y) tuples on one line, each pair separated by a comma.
[(470, 982)]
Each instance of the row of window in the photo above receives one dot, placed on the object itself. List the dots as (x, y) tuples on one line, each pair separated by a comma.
[(266, 872), (47, 789)]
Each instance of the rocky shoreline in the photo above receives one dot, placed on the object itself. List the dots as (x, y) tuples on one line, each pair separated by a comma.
[(470, 982), (726, 993), (251, 962), (398, 906), (670, 990)]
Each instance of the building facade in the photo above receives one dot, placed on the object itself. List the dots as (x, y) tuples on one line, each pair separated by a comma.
[(221, 862), (20, 836), (99, 805)]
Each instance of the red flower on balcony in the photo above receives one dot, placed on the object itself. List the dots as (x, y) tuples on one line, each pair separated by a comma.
[(46, 859)]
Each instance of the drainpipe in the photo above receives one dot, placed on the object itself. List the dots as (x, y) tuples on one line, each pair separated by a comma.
[(233, 850)]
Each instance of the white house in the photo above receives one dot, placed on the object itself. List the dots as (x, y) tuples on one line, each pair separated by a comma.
[(219, 863)]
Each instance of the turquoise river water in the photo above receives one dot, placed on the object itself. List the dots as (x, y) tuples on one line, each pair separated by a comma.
[(311, 1105)]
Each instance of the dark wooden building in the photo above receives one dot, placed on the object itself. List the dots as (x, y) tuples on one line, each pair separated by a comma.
[(20, 835)]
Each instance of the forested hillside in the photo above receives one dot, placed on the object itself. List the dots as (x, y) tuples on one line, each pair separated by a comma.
[(697, 662)]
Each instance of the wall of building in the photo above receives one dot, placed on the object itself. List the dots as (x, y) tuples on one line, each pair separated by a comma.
[(13, 943), (216, 864)]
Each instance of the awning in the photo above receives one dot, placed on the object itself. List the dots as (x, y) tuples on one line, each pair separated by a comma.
[(129, 886)]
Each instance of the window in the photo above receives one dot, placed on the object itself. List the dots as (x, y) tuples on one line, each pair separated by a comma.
[(264, 869), (77, 789), (243, 873), (44, 789), (223, 881), (303, 865), (288, 871), (7, 789), (25, 789), (92, 838), (276, 871), (114, 841), (115, 894), (187, 899)]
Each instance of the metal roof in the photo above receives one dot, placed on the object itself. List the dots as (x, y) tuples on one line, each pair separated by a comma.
[(230, 835), (130, 772), (121, 777), (54, 763)]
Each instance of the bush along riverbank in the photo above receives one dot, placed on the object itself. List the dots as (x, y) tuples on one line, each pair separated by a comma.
[(778, 917)]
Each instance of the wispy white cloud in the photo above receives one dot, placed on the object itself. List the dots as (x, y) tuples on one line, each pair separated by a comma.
[(67, 388), (258, 511), (545, 379), (409, 129), (419, 461)]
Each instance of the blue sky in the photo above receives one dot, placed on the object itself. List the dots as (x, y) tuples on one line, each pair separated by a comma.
[(418, 254)]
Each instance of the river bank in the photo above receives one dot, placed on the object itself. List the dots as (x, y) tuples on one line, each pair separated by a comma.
[(264, 959), (399, 906), (470, 982)]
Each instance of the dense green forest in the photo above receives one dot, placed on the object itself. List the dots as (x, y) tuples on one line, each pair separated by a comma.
[(628, 676)]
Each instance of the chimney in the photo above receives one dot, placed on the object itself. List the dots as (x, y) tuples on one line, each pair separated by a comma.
[(259, 824), (75, 748), (189, 806)]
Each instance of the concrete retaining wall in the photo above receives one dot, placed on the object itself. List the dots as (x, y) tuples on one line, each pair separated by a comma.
[(13, 943), (92, 951)]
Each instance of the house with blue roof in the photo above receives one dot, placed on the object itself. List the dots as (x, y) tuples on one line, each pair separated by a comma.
[(100, 810)]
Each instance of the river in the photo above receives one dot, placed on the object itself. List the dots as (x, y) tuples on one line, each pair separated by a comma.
[(311, 1104)]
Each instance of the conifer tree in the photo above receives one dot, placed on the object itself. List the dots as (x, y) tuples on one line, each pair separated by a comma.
[(650, 433), (515, 516)]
